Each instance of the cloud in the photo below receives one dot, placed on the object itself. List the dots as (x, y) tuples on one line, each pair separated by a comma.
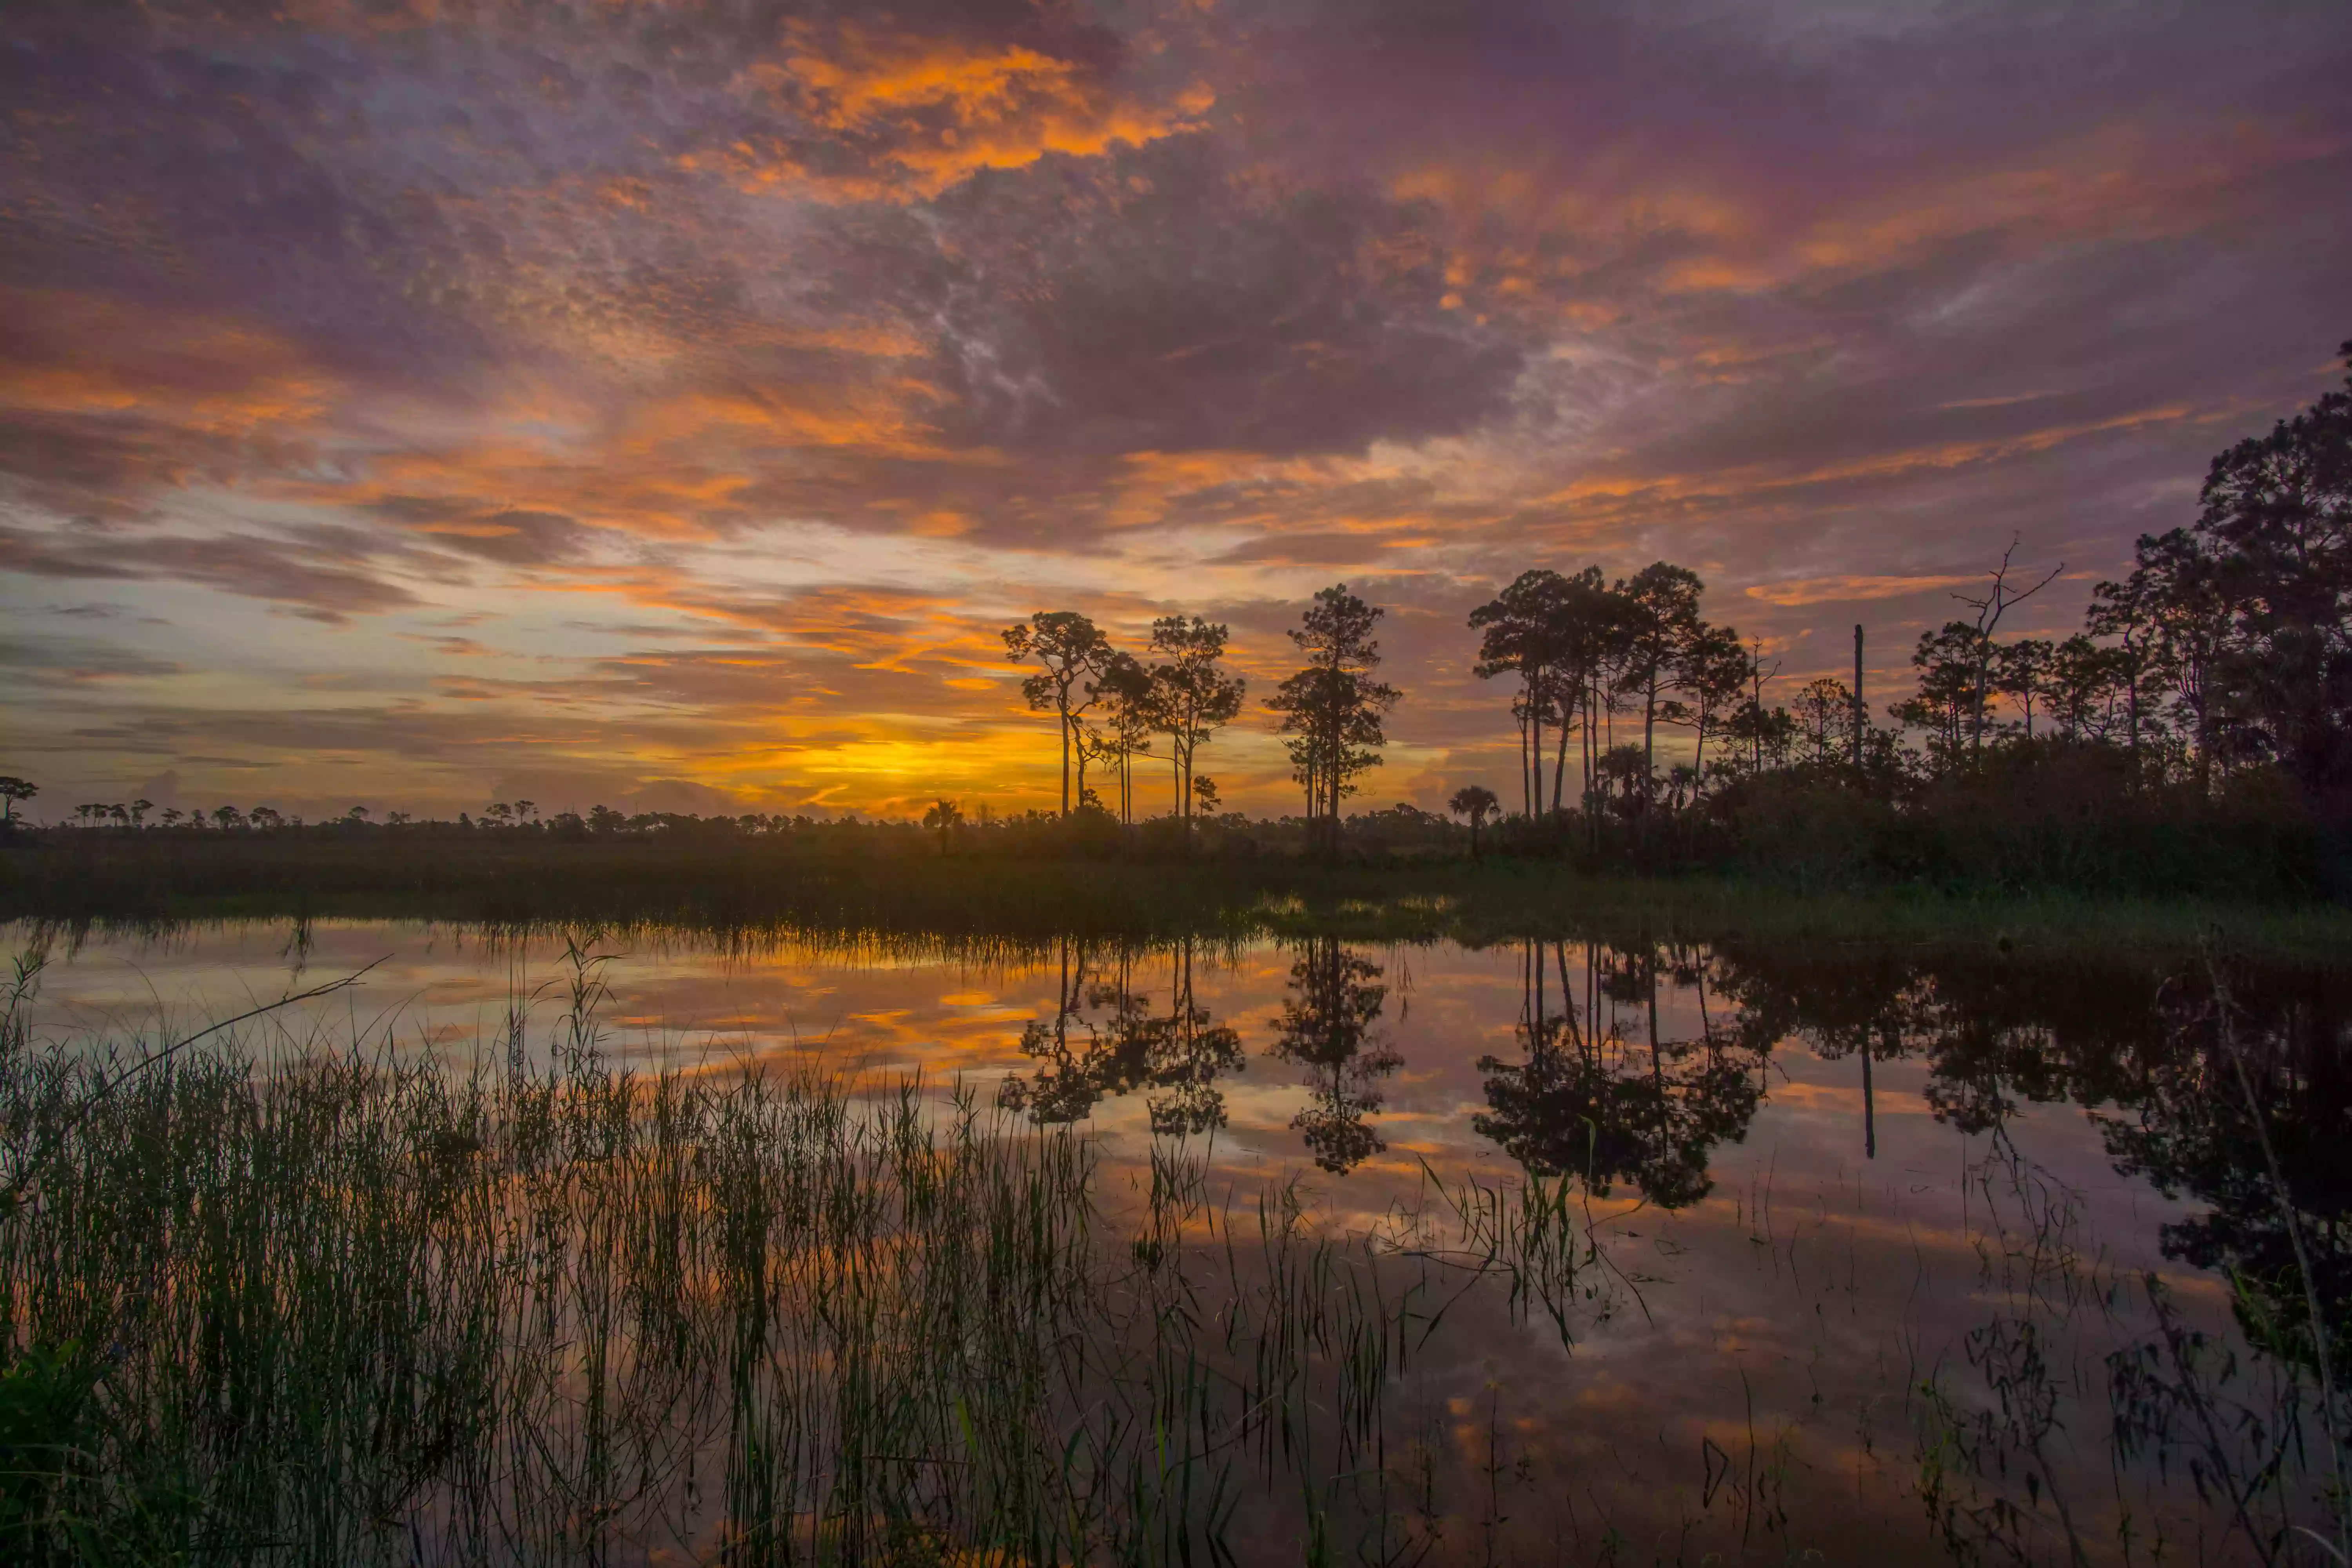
[(1171, 299), (735, 370), (77, 661), (901, 114), (1799, 592), (318, 577)]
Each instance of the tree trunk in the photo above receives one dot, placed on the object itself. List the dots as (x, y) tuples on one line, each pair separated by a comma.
[(1530, 761), (1587, 758), (1755, 701), (1861, 714), (1650, 736), (1559, 760), (1535, 727)]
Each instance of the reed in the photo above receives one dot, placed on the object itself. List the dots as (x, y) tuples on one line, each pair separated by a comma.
[(352, 1305), (333, 1300)]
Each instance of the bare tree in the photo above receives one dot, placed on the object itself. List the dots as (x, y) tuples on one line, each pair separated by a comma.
[(1996, 601)]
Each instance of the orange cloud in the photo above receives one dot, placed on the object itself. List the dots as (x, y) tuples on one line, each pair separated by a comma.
[(931, 112), (99, 356), (1757, 480), (1796, 592)]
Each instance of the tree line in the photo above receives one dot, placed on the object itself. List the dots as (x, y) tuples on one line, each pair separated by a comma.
[(1110, 705)]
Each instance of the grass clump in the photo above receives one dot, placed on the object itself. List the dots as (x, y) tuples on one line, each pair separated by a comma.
[(356, 1307)]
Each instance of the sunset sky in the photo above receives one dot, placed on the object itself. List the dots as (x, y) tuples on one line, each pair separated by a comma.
[(422, 403)]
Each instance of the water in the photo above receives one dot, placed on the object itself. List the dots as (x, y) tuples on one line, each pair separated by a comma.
[(1891, 1252)]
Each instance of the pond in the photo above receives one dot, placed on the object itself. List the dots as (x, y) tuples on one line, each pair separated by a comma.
[(1593, 1250)]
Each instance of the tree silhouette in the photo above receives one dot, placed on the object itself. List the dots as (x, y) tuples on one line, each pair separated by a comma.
[(2021, 673), (944, 816), (12, 790), (1332, 709), (1131, 712), (1824, 715), (1714, 676), (1950, 661), (1476, 802), (1659, 605), (2276, 525), (1075, 654), (1976, 636), (1565, 637), (1523, 635), (1193, 697)]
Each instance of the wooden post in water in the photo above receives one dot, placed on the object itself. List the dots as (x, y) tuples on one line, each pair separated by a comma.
[(1869, 1107), (1861, 714)]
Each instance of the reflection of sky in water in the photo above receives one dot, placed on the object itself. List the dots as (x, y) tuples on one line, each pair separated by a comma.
[(1803, 1298)]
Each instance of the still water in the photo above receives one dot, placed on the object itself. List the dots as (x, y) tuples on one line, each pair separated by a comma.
[(1910, 1254)]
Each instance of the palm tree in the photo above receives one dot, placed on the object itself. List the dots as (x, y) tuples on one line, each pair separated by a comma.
[(946, 816), (1476, 802)]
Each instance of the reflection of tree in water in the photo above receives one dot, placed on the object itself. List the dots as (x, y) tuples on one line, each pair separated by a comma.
[(1847, 1004), (2143, 1048), (1174, 1057), (1327, 1026), (2191, 1129), (1588, 1101)]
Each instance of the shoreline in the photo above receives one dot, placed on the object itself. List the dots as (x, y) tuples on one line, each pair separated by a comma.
[(161, 883)]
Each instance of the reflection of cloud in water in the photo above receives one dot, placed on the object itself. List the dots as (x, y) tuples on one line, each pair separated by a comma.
[(1758, 1252)]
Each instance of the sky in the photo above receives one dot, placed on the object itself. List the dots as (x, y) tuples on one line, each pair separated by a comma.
[(667, 402)]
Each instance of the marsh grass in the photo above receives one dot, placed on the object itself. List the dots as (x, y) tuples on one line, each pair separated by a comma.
[(353, 1305), (279, 1298)]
